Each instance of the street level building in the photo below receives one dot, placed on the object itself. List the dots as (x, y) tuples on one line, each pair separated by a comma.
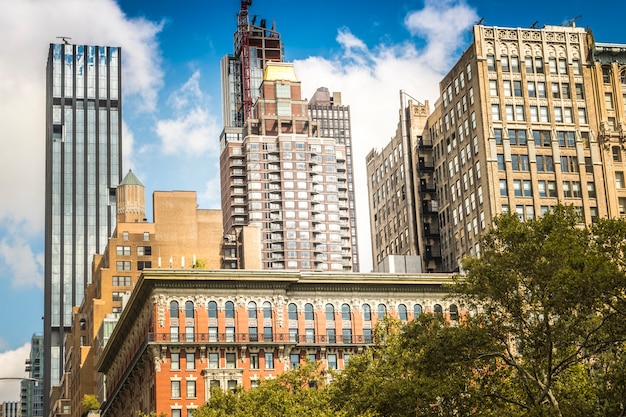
[(83, 166), (186, 331)]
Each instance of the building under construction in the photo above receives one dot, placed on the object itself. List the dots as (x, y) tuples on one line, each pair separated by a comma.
[(242, 72)]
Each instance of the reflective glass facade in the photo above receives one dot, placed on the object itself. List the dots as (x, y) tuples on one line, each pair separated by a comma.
[(83, 167)]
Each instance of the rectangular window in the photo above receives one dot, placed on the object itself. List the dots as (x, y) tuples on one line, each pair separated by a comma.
[(175, 389), (331, 336), (508, 92), (500, 162), (528, 191), (580, 94), (269, 360), (191, 389), (528, 63), (531, 89), (504, 61), (534, 113), (214, 360), (122, 265), (541, 89), (254, 361), (123, 251), (552, 189), (175, 361), (493, 87), (540, 163), (619, 179), (541, 188), (517, 188), (515, 64), (231, 360), (495, 111), (190, 360), (503, 188), (332, 361), (608, 101), (144, 250)]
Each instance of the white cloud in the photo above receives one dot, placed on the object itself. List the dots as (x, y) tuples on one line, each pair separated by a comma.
[(13, 362), (370, 80), (443, 25), (24, 266), (194, 129), (31, 25)]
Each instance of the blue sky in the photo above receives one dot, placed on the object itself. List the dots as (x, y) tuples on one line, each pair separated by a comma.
[(368, 50)]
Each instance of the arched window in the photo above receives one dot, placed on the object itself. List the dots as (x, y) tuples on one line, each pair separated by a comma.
[(367, 312), (308, 312), (174, 309), (252, 310), (267, 310), (345, 312), (438, 310), (189, 324), (402, 314), (454, 312), (174, 321), (189, 309), (330, 312), (229, 309), (292, 311), (83, 324), (417, 310), (382, 311), (212, 310)]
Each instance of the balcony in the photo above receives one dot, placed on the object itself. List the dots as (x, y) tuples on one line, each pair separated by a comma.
[(424, 143), (424, 165), (427, 186), (432, 252), (261, 338), (430, 206), (431, 229)]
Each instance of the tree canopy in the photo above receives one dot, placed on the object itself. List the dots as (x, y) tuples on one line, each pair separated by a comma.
[(543, 334)]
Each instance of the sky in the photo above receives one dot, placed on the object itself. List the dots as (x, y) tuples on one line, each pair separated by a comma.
[(368, 50)]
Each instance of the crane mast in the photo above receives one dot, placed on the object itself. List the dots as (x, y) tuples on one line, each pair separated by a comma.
[(243, 29)]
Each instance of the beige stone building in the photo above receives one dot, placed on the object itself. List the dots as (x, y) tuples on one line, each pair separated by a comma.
[(529, 118), (181, 236), (402, 203), (526, 119)]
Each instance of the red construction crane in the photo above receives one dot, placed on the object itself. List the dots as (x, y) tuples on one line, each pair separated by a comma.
[(243, 28)]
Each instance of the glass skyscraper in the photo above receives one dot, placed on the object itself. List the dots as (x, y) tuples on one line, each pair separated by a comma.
[(83, 168)]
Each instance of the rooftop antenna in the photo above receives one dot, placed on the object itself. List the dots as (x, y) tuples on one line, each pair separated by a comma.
[(534, 25), (65, 39), (571, 22), (480, 22)]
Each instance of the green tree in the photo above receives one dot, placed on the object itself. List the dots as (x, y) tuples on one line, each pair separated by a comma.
[(423, 368), (89, 402), (550, 294), (299, 392)]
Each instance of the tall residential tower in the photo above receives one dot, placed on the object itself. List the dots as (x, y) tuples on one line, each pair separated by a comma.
[(83, 168), (285, 163), (280, 174)]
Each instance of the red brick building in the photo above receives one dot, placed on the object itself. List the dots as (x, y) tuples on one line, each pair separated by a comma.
[(184, 331)]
